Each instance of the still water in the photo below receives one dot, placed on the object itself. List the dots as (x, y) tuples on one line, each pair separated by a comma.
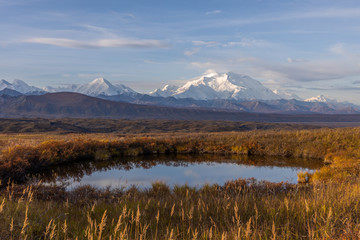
[(194, 171)]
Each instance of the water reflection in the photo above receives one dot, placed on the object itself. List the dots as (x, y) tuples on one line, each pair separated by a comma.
[(176, 170)]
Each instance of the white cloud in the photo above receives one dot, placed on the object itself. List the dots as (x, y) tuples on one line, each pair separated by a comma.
[(191, 52), (105, 31), (319, 13), (248, 42), (206, 43), (293, 60), (102, 43), (311, 71), (319, 70), (209, 71), (206, 65), (304, 78), (236, 64), (241, 43), (338, 49), (244, 42), (213, 12)]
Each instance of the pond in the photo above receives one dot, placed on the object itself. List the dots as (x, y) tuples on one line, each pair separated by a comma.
[(194, 171)]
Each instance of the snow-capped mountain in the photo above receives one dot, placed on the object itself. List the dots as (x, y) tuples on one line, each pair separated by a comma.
[(101, 86), (19, 86), (284, 94), (227, 91), (320, 98), (166, 91), (336, 106), (219, 86), (98, 87)]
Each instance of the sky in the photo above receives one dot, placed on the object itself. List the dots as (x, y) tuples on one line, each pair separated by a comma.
[(306, 47)]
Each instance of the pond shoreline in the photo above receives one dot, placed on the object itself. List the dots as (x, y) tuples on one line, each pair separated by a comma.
[(19, 160), (195, 170)]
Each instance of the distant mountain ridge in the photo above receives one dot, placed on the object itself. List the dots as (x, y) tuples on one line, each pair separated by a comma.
[(20, 86), (75, 105), (213, 91), (99, 86), (10, 92)]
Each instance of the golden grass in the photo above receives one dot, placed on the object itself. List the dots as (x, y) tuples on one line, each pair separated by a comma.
[(328, 208), (241, 209), (21, 154)]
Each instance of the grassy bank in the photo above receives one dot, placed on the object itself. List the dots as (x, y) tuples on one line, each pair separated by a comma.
[(23, 154)]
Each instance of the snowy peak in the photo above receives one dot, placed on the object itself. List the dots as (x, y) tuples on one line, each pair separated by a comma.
[(220, 86), (101, 86), (23, 87), (166, 91), (170, 88), (97, 87), (100, 80), (320, 98), (19, 86)]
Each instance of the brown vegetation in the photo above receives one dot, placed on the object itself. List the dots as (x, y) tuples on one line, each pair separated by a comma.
[(338, 146), (242, 209)]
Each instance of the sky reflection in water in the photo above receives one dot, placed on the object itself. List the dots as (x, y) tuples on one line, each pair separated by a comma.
[(194, 174)]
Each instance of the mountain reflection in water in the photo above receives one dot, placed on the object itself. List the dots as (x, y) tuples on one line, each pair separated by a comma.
[(176, 170)]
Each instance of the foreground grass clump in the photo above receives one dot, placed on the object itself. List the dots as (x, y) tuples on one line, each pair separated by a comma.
[(242, 209)]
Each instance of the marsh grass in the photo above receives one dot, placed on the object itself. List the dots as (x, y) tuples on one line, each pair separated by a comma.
[(22, 154), (241, 209)]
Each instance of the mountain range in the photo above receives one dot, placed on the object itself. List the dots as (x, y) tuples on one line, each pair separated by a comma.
[(20, 86), (99, 86), (214, 91), (76, 105)]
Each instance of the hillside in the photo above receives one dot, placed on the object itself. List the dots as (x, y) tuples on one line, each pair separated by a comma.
[(75, 105), (122, 126)]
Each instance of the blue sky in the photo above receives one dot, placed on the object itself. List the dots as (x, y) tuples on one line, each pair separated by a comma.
[(308, 47)]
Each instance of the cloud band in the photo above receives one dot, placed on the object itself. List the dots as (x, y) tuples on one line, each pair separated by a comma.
[(102, 43)]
